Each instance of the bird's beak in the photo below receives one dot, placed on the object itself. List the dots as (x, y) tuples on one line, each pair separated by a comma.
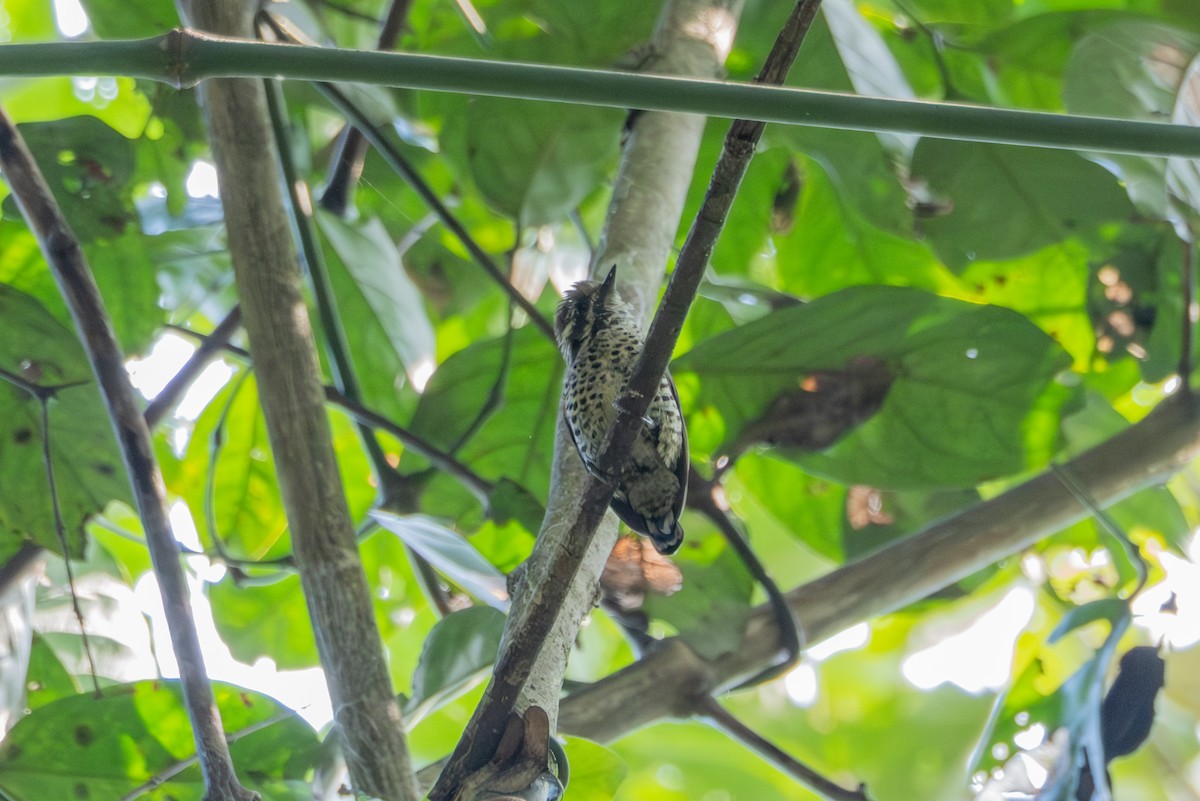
[(609, 283)]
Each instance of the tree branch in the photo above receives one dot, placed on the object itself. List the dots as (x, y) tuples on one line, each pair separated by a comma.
[(209, 346), (347, 163), (669, 679), (727, 722), (266, 268), (78, 287), (529, 624), (184, 58)]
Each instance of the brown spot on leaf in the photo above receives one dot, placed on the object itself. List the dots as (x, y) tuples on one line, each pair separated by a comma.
[(84, 734), (22, 436)]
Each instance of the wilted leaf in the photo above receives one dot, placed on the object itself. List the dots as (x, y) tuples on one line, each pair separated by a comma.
[(633, 569)]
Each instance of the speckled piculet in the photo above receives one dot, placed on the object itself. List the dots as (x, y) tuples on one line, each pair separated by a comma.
[(600, 339)]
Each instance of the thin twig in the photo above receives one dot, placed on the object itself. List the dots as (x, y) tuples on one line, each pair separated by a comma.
[(1188, 323), (1106, 521), (209, 347), (43, 395), (525, 634), (702, 498), (480, 487), (60, 529), (401, 165), (725, 720), (66, 260), (346, 165)]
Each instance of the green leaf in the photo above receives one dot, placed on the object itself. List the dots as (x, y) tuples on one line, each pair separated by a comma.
[(984, 369), (88, 747), (1005, 200), (46, 680), (386, 297), (1111, 609), (711, 610), (88, 167), (516, 441), (119, 19), (596, 772), (244, 494), (260, 619), (832, 246), (88, 468), (461, 646), (535, 162), (450, 553)]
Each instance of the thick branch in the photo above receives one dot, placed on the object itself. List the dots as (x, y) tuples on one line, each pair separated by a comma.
[(78, 287), (1143, 455), (268, 278), (187, 57)]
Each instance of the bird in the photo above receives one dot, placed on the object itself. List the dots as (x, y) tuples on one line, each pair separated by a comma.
[(600, 339)]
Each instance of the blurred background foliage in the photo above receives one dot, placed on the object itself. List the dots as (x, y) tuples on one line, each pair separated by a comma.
[(976, 312)]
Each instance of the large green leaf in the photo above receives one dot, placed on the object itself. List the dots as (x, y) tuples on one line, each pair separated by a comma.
[(536, 161), (983, 369), (264, 619), (1005, 200), (1132, 70), (461, 646), (516, 440), (228, 470), (596, 772), (88, 747), (87, 165), (832, 247), (385, 302), (88, 468), (450, 553)]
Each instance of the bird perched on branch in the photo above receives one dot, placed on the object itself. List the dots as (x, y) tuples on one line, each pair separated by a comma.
[(600, 339)]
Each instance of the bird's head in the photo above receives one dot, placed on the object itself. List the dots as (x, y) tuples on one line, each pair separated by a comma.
[(585, 307)]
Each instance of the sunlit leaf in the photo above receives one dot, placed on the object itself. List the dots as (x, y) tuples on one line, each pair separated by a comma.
[(450, 553), (83, 746)]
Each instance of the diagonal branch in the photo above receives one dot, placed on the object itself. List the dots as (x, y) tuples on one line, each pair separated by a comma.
[(530, 624), (668, 681), (78, 286)]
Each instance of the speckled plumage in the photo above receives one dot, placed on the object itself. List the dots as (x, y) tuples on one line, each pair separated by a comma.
[(601, 341)]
